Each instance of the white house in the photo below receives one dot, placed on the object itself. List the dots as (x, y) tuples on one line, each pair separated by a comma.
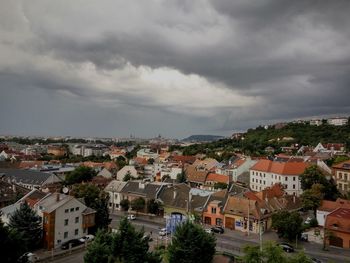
[(105, 173), (236, 167), (114, 190), (266, 173), (128, 169)]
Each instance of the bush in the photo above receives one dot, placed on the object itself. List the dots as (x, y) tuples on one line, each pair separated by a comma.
[(313, 222)]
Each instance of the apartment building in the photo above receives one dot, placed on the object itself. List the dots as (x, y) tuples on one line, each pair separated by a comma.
[(64, 218), (341, 175), (266, 173)]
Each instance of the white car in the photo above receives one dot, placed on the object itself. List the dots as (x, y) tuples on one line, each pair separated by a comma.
[(163, 232), (308, 220), (29, 257), (86, 238), (131, 217), (209, 231)]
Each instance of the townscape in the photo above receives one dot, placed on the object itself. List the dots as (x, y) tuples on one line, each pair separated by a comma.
[(294, 195)]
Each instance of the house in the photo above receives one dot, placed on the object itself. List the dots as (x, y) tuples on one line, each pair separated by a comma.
[(180, 199), (57, 150), (147, 154), (341, 175), (28, 178), (327, 207), (338, 121), (213, 179), (206, 164), (338, 225), (31, 198), (332, 148), (316, 122), (10, 192), (105, 173), (213, 212), (266, 173), (64, 218), (135, 189), (114, 189), (236, 166), (195, 176), (253, 210), (128, 169)]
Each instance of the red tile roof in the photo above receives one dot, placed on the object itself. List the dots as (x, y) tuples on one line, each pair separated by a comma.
[(339, 220), (283, 168), (219, 178), (343, 165), (333, 205)]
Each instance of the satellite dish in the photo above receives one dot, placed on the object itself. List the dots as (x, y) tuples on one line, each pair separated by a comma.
[(65, 190)]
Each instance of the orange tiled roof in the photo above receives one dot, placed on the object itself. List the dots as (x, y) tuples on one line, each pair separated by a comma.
[(193, 175), (332, 205), (341, 165), (140, 160), (220, 178), (284, 168)]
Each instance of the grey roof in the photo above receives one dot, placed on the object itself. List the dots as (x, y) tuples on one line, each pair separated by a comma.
[(147, 190), (115, 186), (175, 196), (25, 176)]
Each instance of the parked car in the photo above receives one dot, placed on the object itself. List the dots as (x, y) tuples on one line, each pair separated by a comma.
[(86, 238), (148, 237), (308, 220), (164, 232), (304, 237), (286, 247), (316, 260), (131, 217), (218, 229), (28, 257), (72, 243)]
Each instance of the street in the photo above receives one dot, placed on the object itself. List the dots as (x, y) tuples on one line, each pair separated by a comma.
[(230, 241)]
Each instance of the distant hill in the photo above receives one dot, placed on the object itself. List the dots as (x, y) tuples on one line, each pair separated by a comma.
[(202, 138)]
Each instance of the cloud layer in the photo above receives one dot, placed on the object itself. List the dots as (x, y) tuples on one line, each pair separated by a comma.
[(111, 68)]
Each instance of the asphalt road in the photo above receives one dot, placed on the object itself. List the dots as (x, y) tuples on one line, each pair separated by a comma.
[(230, 241)]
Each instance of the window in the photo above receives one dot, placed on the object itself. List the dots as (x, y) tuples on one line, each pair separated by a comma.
[(76, 231), (293, 178), (77, 208), (293, 186), (77, 219), (345, 177), (286, 178), (65, 235), (66, 222), (66, 210), (213, 210), (253, 180), (72, 209), (58, 241)]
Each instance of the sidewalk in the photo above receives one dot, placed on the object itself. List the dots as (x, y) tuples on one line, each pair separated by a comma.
[(49, 255)]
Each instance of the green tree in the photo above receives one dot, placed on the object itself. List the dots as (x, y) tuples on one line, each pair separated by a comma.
[(300, 258), (287, 224), (125, 204), (132, 246), (311, 198), (220, 185), (314, 175), (181, 177), (80, 174), (127, 177), (252, 254), (153, 207), (97, 200), (273, 253), (191, 244), (11, 244), (26, 222), (100, 251), (138, 204)]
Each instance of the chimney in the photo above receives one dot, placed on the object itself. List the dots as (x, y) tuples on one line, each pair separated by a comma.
[(14, 189), (57, 197), (175, 193)]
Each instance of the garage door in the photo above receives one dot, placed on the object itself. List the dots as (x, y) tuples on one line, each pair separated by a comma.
[(230, 223), (336, 241)]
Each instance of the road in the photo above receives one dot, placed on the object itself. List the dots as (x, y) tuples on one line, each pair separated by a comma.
[(230, 241)]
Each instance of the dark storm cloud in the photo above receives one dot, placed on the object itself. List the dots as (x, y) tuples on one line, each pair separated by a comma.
[(229, 64)]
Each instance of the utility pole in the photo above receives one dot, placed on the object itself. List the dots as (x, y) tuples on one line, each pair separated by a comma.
[(260, 235), (248, 216)]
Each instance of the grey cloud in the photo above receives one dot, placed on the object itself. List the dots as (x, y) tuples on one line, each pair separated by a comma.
[(292, 56)]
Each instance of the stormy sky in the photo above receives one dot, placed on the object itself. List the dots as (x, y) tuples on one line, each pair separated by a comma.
[(175, 67)]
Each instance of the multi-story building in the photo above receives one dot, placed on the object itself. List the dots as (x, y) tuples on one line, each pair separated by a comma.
[(339, 121), (64, 218), (341, 175), (316, 122), (266, 173), (56, 150)]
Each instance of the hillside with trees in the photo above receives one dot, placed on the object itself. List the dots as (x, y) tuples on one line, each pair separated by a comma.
[(254, 141)]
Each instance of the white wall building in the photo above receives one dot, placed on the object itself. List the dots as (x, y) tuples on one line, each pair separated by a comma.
[(114, 190), (340, 121), (266, 173)]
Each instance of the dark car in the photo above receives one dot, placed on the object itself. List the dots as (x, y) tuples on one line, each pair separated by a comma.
[(218, 229), (71, 243), (315, 260), (286, 247)]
